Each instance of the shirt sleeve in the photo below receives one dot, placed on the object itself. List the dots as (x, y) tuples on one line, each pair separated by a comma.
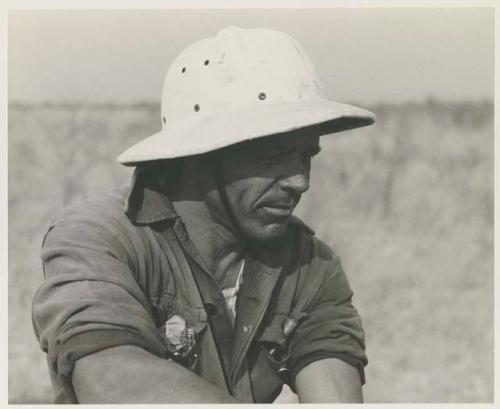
[(332, 327), (90, 299)]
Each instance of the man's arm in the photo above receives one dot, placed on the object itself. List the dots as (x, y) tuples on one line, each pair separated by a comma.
[(327, 356), (94, 320), (329, 381), (129, 374)]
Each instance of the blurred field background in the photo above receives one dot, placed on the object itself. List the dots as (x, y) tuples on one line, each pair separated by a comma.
[(407, 204)]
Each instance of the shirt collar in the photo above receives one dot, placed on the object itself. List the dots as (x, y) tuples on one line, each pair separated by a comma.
[(146, 203)]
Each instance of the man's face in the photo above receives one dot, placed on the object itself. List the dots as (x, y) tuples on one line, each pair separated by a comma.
[(264, 180)]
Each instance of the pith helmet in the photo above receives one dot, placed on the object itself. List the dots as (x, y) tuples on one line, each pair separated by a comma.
[(240, 85)]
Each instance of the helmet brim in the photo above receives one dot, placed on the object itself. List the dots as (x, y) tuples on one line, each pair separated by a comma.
[(209, 132)]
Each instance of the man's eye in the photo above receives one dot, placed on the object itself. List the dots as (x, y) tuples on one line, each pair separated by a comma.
[(275, 155), (270, 156)]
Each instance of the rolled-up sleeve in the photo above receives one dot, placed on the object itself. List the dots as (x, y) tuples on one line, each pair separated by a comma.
[(332, 327), (90, 299)]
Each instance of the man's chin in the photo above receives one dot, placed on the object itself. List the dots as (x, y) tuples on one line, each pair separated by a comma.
[(269, 232)]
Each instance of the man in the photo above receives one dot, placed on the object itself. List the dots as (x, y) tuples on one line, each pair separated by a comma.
[(205, 288)]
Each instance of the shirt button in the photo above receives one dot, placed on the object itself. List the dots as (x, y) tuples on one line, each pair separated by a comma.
[(211, 309), (246, 328)]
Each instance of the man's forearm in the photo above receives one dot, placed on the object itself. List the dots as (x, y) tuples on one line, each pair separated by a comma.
[(329, 381), (129, 374)]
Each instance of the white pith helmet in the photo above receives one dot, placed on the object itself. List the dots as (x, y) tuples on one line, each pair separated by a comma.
[(240, 85)]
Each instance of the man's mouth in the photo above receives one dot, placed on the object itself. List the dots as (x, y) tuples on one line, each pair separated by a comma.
[(279, 209)]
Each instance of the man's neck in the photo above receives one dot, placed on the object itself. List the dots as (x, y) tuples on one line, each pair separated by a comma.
[(220, 248)]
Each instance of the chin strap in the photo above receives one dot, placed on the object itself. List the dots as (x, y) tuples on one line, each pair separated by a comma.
[(219, 183)]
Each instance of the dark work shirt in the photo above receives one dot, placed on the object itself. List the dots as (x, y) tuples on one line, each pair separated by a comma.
[(117, 266)]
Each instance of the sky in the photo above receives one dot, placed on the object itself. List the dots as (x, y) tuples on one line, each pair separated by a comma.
[(366, 55)]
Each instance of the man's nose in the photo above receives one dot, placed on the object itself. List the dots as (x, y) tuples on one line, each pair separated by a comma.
[(297, 178)]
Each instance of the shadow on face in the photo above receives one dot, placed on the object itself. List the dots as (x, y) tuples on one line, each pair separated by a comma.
[(262, 181), (270, 156)]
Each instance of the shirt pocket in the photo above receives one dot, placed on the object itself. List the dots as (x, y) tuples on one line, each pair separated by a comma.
[(163, 307), (181, 328), (274, 341)]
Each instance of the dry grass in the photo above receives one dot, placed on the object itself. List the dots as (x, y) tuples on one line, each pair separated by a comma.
[(407, 204)]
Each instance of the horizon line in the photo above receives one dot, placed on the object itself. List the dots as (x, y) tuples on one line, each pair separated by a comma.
[(150, 104)]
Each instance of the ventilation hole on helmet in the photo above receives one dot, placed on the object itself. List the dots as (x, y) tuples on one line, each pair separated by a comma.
[(262, 96), (183, 70), (164, 120), (196, 107), (207, 62)]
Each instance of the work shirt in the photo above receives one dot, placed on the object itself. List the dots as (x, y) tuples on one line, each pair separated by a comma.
[(119, 265)]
